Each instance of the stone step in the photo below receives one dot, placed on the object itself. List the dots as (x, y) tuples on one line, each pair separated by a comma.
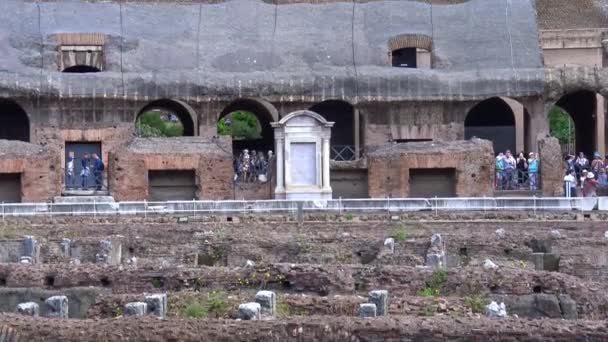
[(92, 192), (83, 199), (518, 193)]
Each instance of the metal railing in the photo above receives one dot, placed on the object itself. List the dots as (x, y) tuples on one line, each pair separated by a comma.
[(343, 153), (387, 205), (516, 180)]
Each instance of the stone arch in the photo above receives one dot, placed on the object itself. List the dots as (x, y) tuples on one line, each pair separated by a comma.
[(186, 115), (492, 119), (14, 121), (265, 112)]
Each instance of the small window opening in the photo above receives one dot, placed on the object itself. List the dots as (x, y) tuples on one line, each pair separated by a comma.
[(81, 69), (49, 280), (404, 58)]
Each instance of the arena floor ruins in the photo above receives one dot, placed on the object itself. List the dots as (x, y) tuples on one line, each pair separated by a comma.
[(549, 268)]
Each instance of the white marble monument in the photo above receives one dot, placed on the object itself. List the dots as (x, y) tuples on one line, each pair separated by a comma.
[(302, 146)]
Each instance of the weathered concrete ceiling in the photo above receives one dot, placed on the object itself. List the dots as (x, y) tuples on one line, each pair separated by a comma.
[(253, 48)]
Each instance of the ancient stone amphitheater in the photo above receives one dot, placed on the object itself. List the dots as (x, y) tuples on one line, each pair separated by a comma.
[(440, 270)]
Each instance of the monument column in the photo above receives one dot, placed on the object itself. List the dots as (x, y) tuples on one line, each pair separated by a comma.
[(280, 165), (600, 126), (325, 163)]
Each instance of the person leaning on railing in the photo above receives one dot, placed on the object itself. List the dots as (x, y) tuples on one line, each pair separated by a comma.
[(570, 184), (533, 170)]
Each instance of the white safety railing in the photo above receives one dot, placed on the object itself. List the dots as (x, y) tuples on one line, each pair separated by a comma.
[(387, 205)]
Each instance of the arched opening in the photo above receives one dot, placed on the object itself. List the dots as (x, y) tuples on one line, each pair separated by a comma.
[(575, 125), (494, 120), (343, 133), (166, 118), (81, 69), (247, 121), (14, 122)]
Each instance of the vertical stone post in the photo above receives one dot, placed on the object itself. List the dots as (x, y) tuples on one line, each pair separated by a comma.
[(267, 301), (250, 311), (280, 165), (58, 306), (380, 299), (326, 154), (157, 304), (31, 248)]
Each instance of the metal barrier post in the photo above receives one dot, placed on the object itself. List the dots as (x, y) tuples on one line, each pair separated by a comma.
[(340, 205), (2, 211), (436, 207), (534, 205), (388, 205), (145, 209), (94, 208), (193, 207)]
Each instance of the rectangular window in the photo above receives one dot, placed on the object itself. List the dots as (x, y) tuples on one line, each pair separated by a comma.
[(404, 58)]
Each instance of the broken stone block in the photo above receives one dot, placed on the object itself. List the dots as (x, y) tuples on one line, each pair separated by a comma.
[(546, 262), (367, 310), (389, 245), (556, 234), (568, 307), (28, 309), (267, 301), (250, 311), (157, 304), (606, 234), (66, 246), (110, 252), (249, 264), (489, 265), (380, 299), (435, 255), (500, 233), (494, 310), (136, 309), (58, 306), (26, 260)]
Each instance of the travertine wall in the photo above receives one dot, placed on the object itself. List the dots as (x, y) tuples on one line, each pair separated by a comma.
[(39, 167), (211, 161), (388, 172)]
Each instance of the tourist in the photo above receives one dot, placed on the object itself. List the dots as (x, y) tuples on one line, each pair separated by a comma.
[(522, 168), (245, 165), (582, 163), (602, 179), (509, 171), (590, 186), (85, 164), (70, 170), (570, 163), (597, 164), (570, 184), (582, 179), (533, 170), (98, 168), (253, 166), (500, 168)]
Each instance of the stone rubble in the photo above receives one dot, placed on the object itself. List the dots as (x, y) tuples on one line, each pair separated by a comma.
[(250, 312), (494, 310), (29, 309)]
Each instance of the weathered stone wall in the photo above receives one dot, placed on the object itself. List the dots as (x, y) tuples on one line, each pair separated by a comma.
[(388, 173), (40, 169), (211, 160)]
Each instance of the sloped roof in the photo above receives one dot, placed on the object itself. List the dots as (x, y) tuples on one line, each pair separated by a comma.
[(572, 14)]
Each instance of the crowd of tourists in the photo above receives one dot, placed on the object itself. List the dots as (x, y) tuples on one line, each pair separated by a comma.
[(517, 173), (585, 178), (90, 165), (251, 167)]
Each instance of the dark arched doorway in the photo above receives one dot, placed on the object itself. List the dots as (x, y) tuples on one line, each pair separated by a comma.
[(582, 108), (343, 133), (81, 69), (494, 120), (14, 122), (166, 118), (247, 121)]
